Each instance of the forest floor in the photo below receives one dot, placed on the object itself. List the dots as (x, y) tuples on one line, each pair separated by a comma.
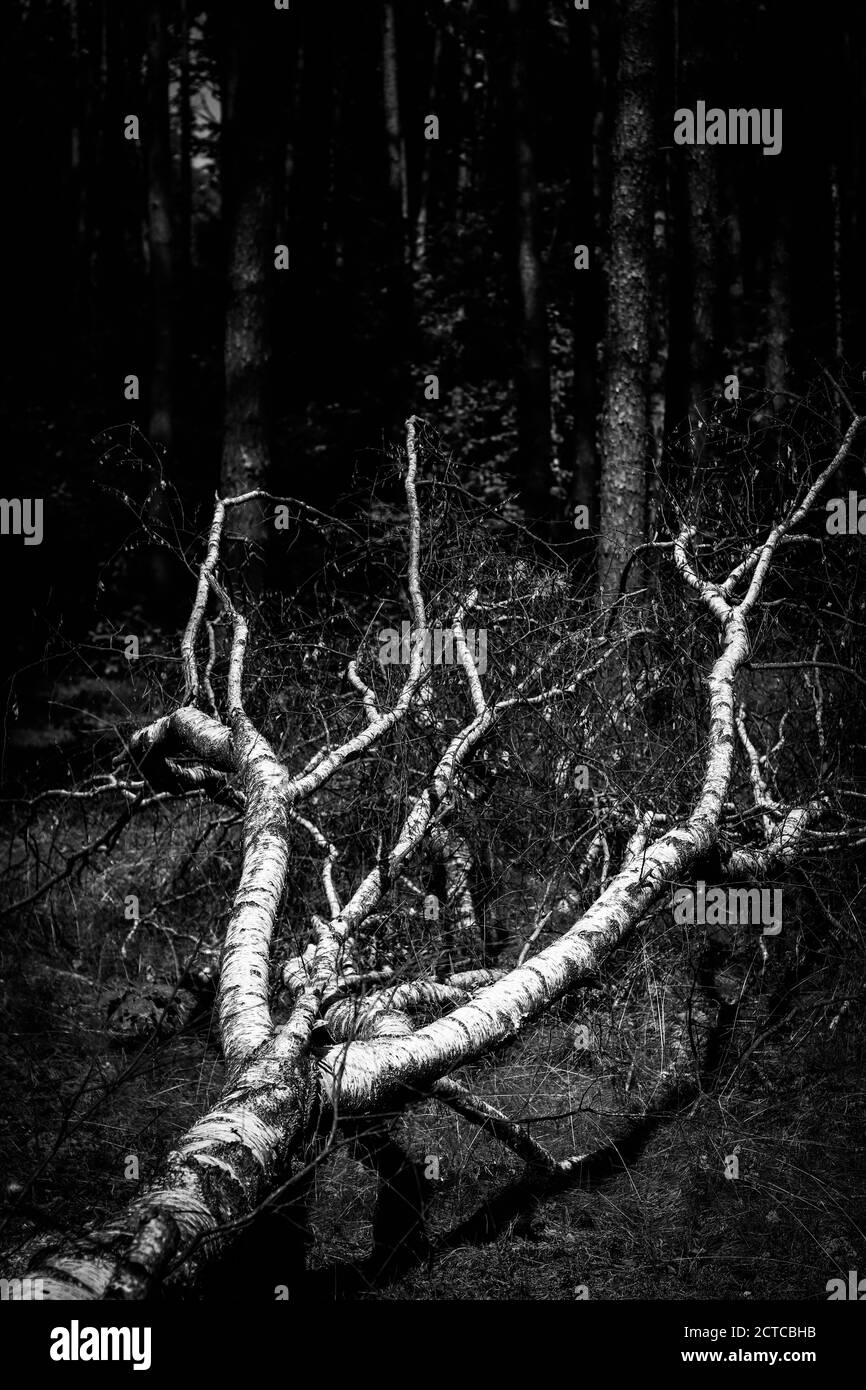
[(105, 1057)]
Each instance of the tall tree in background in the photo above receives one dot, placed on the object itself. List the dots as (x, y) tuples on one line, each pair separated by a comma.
[(159, 203), (158, 169), (583, 47), (702, 200), (81, 88), (397, 178), (624, 415), (398, 328), (425, 175), (184, 97), (533, 375), (307, 204), (252, 148), (114, 177), (779, 312)]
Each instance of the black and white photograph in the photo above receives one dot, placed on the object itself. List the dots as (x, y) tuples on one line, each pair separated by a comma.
[(433, 757)]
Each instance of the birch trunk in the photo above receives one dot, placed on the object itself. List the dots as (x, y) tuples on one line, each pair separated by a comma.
[(280, 1090)]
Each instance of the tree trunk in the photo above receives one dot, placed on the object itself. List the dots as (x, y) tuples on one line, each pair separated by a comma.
[(586, 305), (702, 182), (420, 254), (533, 374), (397, 179), (78, 131), (185, 153), (279, 1089), (837, 270), (699, 321), (253, 142), (159, 227), (735, 316), (398, 328), (156, 132), (660, 348), (624, 416), (779, 315)]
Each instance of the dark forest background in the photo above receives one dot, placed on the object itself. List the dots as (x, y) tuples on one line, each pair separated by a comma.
[(158, 354), (408, 256)]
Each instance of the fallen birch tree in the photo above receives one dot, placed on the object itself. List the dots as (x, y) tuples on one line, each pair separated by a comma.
[(359, 1042)]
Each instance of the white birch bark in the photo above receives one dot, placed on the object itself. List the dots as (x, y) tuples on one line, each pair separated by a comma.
[(277, 1087)]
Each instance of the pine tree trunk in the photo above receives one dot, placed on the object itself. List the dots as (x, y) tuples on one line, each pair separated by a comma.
[(586, 307), (185, 99), (778, 316), (159, 228), (251, 156), (533, 374), (624, 442), (399, 286), (703, 201)]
